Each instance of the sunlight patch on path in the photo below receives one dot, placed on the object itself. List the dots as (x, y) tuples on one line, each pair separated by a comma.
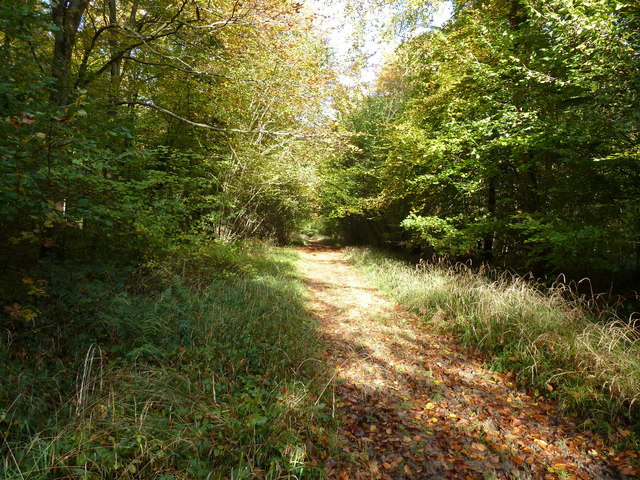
[(413, 404)]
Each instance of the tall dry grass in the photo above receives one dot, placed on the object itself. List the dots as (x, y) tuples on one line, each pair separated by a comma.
[(589, 360)]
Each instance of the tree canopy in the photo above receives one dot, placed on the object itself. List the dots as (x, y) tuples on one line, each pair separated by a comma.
[(157, 119), (509, 133), (514, 136)]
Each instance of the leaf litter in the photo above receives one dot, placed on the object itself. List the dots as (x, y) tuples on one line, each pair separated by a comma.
[(412, 403)]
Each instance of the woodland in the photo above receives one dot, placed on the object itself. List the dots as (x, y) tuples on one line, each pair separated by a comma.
[(155, 156)]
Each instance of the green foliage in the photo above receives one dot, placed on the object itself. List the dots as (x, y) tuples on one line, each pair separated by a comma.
[(350, 181), (208, 372), (439, 232), (110, 142), (558, 242), (515, 137), (137, 139)]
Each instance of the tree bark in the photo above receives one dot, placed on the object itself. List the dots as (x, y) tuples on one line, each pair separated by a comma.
[(67, 16), (487, 247), (116, 69), (4, 76)]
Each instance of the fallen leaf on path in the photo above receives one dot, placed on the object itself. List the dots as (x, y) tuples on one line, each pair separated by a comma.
[(478, 446)]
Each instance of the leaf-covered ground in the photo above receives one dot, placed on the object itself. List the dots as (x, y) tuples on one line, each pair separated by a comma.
[(414, 404)]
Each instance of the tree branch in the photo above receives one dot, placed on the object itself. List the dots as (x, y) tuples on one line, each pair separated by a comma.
[(185, 70), (83, 82), (219, 129)]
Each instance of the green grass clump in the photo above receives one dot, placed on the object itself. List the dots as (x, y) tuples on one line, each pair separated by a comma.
[(203, 365), (591, 361)]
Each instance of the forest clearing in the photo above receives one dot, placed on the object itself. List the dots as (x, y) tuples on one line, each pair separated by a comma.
[(282, 239)]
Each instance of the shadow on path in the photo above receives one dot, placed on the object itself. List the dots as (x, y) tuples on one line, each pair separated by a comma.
[(414, 404)]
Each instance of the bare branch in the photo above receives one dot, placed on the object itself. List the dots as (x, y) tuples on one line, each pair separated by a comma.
[(83, 81), (185, 70), (220, 129)]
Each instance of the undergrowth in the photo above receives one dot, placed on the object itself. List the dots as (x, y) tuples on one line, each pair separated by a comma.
[(201, 365), (589, 361)]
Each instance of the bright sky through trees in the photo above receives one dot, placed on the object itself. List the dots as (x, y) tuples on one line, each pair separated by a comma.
[(360, 54)]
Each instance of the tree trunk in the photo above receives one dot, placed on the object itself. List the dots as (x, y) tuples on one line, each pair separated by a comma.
[(4, 76), (517, 14), (116, 69), (531, 202), (487, 247), (66, 16)]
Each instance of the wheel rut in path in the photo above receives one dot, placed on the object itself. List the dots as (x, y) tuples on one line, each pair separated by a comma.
[(415, 405)]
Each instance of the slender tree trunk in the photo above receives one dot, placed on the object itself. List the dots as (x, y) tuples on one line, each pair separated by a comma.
[(531, 197), (116, 68), (487, 247), (66, 16), (5, 57)]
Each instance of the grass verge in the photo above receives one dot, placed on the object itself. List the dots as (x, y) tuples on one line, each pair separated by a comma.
[(202, 366), (589, 363)]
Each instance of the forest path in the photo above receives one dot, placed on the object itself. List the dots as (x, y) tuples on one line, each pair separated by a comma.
[(414, 404)]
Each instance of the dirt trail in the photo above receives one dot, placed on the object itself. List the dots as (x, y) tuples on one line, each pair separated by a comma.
[(415, 405)]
